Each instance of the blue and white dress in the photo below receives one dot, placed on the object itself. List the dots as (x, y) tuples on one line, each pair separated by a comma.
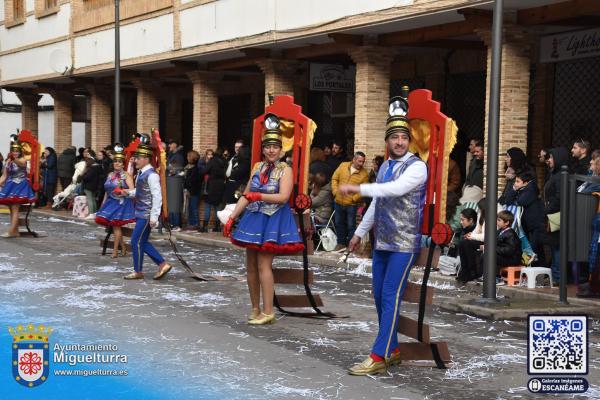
[(116, 211), (16, 189), (268, 227)]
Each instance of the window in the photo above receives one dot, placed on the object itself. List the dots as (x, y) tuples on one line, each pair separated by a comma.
[(18, 9), (50, 4)]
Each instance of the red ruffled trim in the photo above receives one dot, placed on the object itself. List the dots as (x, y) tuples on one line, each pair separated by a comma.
[(16, 200), (116, 222), (270, 247)]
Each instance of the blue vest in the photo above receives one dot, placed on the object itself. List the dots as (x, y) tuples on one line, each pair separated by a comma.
[(15, 173), (115, 180), (143, 196), (271, 187), (398, 220)]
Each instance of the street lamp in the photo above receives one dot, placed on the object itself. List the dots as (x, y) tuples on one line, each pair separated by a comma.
[(491, 192), (117, 119)]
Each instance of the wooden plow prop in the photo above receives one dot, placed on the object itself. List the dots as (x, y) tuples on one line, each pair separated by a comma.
[(297, 132), (433, 137), (32, 151)]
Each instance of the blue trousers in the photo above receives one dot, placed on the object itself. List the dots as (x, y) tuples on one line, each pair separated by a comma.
[(140, 245), (390, 275), (193, 214), (345, 222)]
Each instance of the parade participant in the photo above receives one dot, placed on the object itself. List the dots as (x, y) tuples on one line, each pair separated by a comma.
[(267, 227), (117, 211), (148, 203), (396, 214), (15, 186)]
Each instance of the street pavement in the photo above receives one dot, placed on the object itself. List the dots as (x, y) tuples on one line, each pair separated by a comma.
[(190, 340)]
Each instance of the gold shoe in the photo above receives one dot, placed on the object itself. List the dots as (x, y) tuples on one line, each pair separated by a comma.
[(162, 271), (115, 254), (367, 367), (134, 275), (263, 319), (254, 314), (394, 359)]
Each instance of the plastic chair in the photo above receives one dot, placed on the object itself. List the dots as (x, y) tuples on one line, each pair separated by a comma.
[(532, 273), (511, 275)]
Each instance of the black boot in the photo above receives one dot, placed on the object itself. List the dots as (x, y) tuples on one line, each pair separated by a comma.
[(202, 228)]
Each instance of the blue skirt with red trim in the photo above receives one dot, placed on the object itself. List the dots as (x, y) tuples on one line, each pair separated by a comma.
[(276, 234), (116, 212), (17, 193)]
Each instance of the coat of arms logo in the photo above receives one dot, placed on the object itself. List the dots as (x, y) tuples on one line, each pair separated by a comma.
[(30, 355)]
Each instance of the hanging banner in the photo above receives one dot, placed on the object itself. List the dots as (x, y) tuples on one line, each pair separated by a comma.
[(332, 78), (570, 45)]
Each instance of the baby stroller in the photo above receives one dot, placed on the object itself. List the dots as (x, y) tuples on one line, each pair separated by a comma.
[(327, 237), (62, 199)]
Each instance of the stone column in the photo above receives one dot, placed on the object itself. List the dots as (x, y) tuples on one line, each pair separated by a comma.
[(279, 76), (101, 117), (373, 65), (147, 104), (514, 91), (205, 126), (173, 123), (63, 119), (29, 111)]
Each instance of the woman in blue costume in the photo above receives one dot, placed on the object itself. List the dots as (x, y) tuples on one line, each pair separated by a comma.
[(15, 188), (267, 227), (117, 211)]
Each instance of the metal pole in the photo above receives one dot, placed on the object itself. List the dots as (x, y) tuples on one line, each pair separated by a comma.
[(564, 233), (491, 192), (117, 117)]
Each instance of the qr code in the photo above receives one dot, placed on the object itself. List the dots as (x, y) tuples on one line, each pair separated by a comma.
[(557, 344)]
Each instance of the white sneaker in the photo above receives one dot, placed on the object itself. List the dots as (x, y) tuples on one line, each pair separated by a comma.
[(91, 216), (176, 229)]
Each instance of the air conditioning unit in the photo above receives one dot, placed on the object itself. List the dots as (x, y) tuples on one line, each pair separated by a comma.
[(342, 105)]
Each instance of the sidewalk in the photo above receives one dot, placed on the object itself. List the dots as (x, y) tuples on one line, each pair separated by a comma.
[(523, 301)]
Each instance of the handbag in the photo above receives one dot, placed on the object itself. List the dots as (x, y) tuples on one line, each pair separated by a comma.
[(553, 222)]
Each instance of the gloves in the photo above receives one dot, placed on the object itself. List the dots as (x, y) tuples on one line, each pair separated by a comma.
[(119, 192), (227, 228), (253, 196)]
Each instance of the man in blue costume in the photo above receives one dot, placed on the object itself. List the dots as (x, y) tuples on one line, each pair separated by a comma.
[(148, 203), (396, 214)]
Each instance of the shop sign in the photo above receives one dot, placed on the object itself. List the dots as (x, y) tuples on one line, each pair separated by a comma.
[(332, 78), (570, 45)]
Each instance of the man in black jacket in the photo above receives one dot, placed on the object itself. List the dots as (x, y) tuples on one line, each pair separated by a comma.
[(581, 155), (66, 166), (237, 172)]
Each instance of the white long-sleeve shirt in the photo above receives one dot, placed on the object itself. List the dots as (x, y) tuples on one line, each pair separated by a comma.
[(155, 190), (415, 175)]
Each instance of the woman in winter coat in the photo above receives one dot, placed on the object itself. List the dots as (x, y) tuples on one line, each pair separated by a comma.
[(50, 173), (322, 198), (559, 156), (516, 162), (215, 186)]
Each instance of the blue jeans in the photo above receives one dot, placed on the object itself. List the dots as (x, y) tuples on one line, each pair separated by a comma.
[(175, 219), (345, 223), (140, 245), (555, 263), (208, 208), (193, 215)]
